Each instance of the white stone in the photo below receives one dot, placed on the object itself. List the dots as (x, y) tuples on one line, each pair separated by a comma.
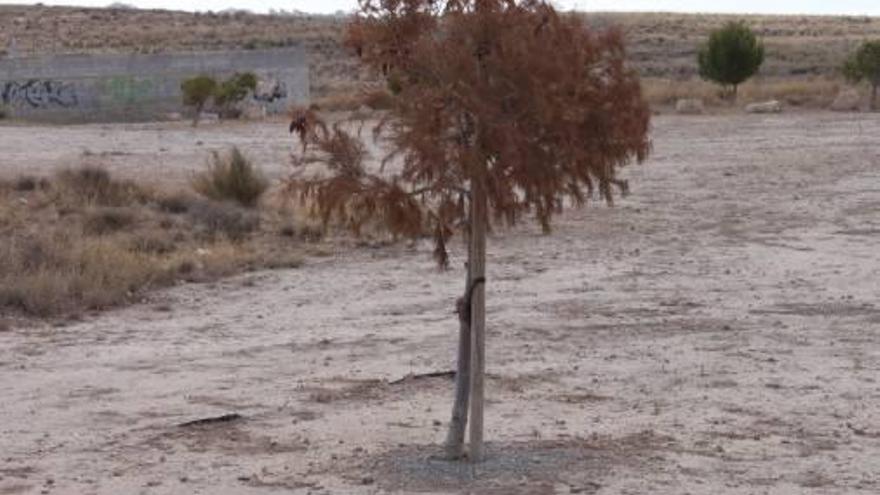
[(772, 106), (690, 106)]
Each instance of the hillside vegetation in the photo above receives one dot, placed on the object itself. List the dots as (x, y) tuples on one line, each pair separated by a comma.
[(661, 45)]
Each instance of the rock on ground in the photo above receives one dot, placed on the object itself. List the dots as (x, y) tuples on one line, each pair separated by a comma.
[(690, 106), (772, 106)]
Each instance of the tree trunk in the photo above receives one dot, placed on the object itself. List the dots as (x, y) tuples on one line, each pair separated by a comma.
[(477, 269), (198, 114), (874, 96), (458, 423)]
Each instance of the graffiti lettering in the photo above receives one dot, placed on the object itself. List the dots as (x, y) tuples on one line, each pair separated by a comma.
[(38, 94), (270, 91)]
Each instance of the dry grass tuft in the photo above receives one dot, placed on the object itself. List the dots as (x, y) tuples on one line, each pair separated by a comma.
[(94, 186), (665, 92), (29, 183), (229, 219), (231, 177), (108, 219), (47, 275), (810, 92)]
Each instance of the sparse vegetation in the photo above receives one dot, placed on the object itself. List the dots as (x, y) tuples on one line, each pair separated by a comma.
[(864, 65), (662, 45), (108, 220), (29, 183), (232, 91), (231, 177), (53, 273), (226, 95), (94, 186), (83, 240), (809, 92), (732, 55), (223, 218)]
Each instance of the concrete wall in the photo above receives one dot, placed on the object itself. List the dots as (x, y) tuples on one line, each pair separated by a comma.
[(122, 88)]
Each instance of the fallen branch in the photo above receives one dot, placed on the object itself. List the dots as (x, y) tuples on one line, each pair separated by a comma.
[(433, 374), (226, 418), (862, 432)]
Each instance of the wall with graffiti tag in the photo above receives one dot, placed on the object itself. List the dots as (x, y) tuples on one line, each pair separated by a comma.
[(111, 88)]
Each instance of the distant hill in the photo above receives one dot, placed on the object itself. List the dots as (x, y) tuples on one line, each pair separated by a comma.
[(661, 45), (42, 29)]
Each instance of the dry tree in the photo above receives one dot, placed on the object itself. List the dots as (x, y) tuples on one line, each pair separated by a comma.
[(502, 110)]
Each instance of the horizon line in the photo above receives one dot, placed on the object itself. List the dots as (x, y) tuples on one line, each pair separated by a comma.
[(346, 13)]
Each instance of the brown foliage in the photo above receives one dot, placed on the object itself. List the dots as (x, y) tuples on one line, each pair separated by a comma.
[(532, 104)]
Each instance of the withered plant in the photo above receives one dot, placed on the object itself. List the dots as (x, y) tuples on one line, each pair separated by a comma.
[(502, 110)]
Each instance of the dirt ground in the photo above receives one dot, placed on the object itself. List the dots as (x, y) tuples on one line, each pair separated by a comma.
[(715, 332)]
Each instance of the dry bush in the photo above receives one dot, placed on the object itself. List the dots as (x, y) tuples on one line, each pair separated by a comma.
[(813, 92), (92, 185), (26, 183), (229, 219), (56, 273), (339, 102), (378, 100), (176, 203), (108, 219), (84, 241), (158, 242), (810, 92), (661, 92), (353, 99), (231, 177)]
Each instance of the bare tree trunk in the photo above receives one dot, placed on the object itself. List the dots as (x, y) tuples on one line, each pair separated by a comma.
[(874, 96), (198, 114), (458, 423), (477, 268)]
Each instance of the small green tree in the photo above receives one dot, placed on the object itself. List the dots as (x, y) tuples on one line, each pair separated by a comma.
[(864, 65), (197, 91), (731, 56), (232, 91)]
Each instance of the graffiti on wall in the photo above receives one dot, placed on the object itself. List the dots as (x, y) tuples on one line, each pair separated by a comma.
[(270, 91), (37, 93), (127, 90)]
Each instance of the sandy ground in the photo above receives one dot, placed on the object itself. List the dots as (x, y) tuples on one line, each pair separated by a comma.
[(715, 332), (149, 152)]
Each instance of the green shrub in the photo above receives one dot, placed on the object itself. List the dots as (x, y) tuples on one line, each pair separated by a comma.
[(231, 177), (732, 55), (864, 65), (232, 91), (197, 91)]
